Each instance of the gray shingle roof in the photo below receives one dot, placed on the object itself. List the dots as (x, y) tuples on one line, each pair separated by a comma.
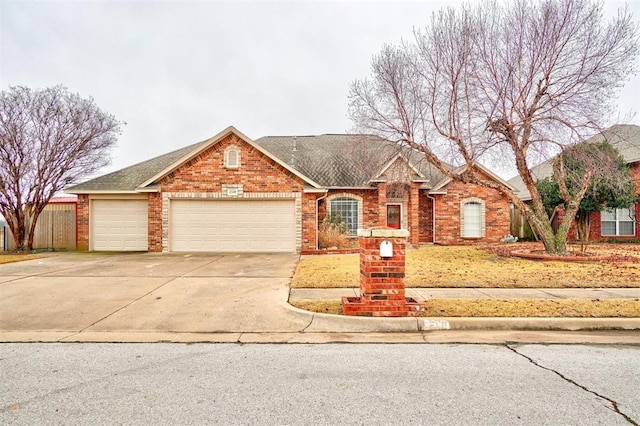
[(342, 160), (625, 137), (130, 178), (329, 160)]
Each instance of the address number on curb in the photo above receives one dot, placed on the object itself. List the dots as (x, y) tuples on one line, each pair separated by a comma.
[(436, 325)]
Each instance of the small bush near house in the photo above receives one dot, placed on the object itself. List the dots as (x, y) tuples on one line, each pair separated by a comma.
[(333, 233), (622, 241)]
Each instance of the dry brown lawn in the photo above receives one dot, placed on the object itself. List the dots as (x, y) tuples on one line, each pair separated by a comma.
[(463, 266), (611, 308)]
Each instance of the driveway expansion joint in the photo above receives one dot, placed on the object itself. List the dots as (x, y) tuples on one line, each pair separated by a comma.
[(614, 404), (127, 305)]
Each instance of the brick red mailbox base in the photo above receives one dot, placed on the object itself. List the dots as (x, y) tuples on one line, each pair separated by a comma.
[(381, 278)]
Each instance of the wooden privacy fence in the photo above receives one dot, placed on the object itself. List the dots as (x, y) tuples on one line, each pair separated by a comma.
[(520, 227), (55, 230)]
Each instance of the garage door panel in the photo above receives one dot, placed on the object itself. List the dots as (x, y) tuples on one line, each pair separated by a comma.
[(119, 225), (234, 225)]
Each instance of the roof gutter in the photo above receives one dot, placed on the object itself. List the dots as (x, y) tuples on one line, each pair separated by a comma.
[(315, 190), (97, 191), (149, 189)]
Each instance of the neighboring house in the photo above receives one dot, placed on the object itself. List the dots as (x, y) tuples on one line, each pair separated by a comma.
[(230, 193), (55, 229), (618, 223)]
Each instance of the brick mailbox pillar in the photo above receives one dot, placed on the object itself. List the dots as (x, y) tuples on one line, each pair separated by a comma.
[(382, 290)]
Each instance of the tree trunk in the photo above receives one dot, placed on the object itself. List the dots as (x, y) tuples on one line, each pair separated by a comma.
[(15, 220), (31, 220), (554, 242), (583, 225), (23, 227)]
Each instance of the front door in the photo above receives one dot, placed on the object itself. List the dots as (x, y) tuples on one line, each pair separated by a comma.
[(393, 216)]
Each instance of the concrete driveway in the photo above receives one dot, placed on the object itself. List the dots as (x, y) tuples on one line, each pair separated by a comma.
[(66, 294)]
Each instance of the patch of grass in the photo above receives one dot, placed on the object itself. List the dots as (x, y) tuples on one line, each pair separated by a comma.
[(463, 266), (578, 308), (18, 257), (320, 306), (327, 271)]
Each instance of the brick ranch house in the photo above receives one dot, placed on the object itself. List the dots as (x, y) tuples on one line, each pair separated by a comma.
[(619, 223), (232, 194)]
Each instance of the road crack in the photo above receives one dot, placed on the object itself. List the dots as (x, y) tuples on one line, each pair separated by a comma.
[(613, 403)]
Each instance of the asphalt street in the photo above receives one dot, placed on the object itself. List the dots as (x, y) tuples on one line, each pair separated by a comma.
[(318, 384)]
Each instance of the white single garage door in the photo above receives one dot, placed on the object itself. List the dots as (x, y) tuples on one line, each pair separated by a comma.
[(233, 225), (119, 225)]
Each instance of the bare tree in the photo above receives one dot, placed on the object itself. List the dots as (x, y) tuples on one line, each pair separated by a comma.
[(49, 139), (519, 78)]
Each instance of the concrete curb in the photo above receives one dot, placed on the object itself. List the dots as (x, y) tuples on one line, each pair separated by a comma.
[(329, 323), (495, 337), (556, 324)]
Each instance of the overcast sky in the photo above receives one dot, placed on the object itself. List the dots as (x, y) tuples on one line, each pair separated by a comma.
[(179, 72)]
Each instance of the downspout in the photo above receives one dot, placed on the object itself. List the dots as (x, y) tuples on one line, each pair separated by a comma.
[(317, 222), (433, 218)]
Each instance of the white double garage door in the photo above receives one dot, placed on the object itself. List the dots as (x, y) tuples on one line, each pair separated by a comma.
[(197, 225)]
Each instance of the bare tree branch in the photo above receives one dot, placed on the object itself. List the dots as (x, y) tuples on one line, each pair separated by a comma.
[(48, 139), (520, 78)]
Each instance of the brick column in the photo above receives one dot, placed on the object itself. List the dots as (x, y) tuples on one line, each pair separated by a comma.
[(382, 290), (154, 219), (382, 204), (82, 223), (414, 214)]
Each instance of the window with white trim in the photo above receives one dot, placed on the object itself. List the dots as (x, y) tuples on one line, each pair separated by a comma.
[(232, 157), (617, 222), (345, 210), (472, 218)]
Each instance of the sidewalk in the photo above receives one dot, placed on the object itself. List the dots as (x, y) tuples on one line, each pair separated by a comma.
[(477, 293)]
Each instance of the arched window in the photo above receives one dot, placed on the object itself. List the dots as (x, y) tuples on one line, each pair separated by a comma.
[(472, 220), (346, 210), (232, 157)]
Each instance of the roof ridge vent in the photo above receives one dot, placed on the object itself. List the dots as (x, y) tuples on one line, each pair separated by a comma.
[(293, 151)]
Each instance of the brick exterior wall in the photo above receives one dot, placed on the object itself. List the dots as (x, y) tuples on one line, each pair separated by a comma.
[(309, 228), (205, 176), (425, 218), (155, 222), (206, 172), (414, 214), (448, 226), (418, 216), (258, 177), (82, 223)]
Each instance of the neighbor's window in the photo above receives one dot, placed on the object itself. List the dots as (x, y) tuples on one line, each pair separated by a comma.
[(617, 222), (232, 158), (472, 219), (345, 210)]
